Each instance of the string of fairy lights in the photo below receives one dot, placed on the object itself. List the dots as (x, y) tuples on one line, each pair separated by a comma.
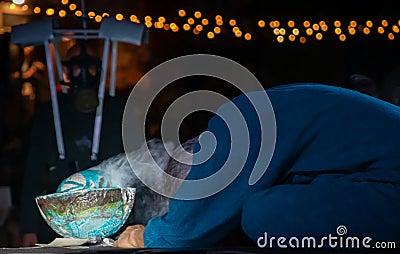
[(197, 23)]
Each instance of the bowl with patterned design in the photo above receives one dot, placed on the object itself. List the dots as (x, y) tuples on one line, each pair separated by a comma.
[(87, 213)]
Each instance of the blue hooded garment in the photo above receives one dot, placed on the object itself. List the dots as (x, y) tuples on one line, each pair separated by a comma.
[(321, 130)]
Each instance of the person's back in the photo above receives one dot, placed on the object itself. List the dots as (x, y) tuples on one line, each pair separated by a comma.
[(335, 162)]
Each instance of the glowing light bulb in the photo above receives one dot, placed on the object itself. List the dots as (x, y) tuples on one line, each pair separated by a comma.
[(197, 14), (62, 13), (182, 13), (18, 1), (50, 11)]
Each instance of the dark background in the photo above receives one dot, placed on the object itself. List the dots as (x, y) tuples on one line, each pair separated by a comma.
[(328, 61)]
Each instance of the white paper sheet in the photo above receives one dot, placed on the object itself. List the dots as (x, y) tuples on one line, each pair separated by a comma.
[(65, 242)]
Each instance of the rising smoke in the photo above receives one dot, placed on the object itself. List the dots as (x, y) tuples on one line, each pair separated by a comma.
[(148, 204)]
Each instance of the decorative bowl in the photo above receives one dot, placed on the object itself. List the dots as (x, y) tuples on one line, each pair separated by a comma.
[(88, 213)]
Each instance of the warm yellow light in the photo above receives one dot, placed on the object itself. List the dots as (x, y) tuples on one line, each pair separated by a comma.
[(381, 30), (309, 31), (303, 40), (133, 18), (98, 18), (352, 31), (247, 36), (321, 23), (182, 13), (232, 22), (219, 22), (204, 22), (210, 35), (119, 16), (295, 31), (197, 14), (50, 11), (291, 23), (315, 27), (148, 24), (72, 7), (62, 13), (366, 30), (292, 37), (64, 2), (173, 26), (306, 23), (196, 32), (12, 6), (235, 29), (217, 30), (186, 27), (176, 29), (190, 21), (238, 33), (342, 37), (384, 23), (147, 18), (369, 23), (282, 31), (276, 31), (353, 23), (105, 14), (272, 24), (199, 28), (91, 14), (218, 17), (324, 28), (158, 25), (395, 29), (161, 19), (277, 23), (25, 7), (338, 30), (280, 38), (261, 23), (166, 27), (337, 23), (36, 10), (78, 13), (318, 36), (391, 36)]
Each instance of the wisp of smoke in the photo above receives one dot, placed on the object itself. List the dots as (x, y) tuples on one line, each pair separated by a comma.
[(117, 172)]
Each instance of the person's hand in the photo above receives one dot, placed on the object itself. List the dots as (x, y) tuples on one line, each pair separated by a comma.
[(29, 240), (132, 237)]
